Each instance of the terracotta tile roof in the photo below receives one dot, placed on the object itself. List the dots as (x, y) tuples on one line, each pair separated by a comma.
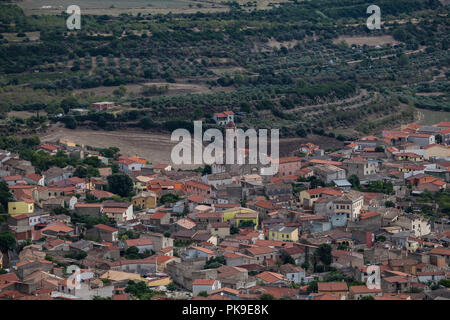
[(105, 227), (225, 290), (58, 227), (368, 215), (265, 204), (274, 291), (12, 178), (203, 282), (440, 251), (48, 147), (159, 215), (114, 210), (123, 296), (327, 191), (363, 289), (332, 286), (395, 279), (198, 184), (271, 277), (289, 159), (101, 194), (88, 205), (260, 250), (324, 296), (33, 176), (207, 251), (138, 242)]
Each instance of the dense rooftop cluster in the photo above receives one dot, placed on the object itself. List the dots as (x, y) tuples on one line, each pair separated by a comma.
[(315, 231)]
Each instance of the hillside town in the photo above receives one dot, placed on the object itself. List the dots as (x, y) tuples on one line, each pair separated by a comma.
[(102, 225)]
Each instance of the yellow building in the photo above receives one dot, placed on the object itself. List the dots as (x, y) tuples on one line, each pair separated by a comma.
[(241, 215), (230, 214), (408, 156), (308, 197), (20, 207), (283, 234), (67, 142), (145, 200)]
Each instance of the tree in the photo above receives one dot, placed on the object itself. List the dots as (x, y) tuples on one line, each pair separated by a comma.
[(445, 283), (7, 241), (389, 204), (169, 198), (354, 180), (323, 254), (203, 294), (70, 122), (287, 258), (403, 60), (266, 296), (121, 184), (312, 287), (5, 197), (367, 298), (132, 253), (171, 286)]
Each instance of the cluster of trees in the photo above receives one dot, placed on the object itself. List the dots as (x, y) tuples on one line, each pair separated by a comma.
[(213, 263), (141, 291)]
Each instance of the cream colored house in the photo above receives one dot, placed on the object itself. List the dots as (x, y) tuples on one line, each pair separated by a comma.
[(415, 223), (349, 205), (436, 150)]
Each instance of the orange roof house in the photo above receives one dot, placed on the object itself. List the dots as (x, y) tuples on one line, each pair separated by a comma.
[(271, 277), (336, 288)]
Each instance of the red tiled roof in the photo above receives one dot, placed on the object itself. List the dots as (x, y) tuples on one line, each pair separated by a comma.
[(139, 242), (332, 286), (203, 282), (440, 251), (159, 215), (363, 289), (105, 227), (369, 214), (271, 277)]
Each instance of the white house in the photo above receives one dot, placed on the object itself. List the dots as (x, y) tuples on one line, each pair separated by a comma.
[(198, 252), (421, 139), (217, 179), (34, 178), (207, 285), (118, 211), (415, 223), (82, 291), (128, 166), (36, 218), (223, 118), (293, 273)]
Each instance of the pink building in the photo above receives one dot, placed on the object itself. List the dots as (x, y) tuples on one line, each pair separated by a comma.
[(289, 166)]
